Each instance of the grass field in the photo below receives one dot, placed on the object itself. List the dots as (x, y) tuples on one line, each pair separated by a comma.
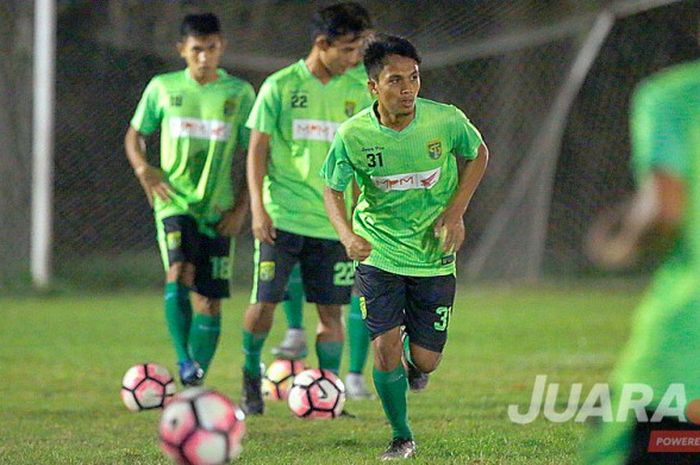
[(62, 359)]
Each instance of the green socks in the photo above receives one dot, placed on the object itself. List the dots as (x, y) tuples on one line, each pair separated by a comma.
[(294, 305), (391, 387), (178, 317), (329, 354), (204, 337), (358, 337), (252, 346)]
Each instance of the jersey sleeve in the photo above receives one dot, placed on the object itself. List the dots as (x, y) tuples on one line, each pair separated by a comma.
[(467, 138), (659, 133), (247, 101), (265, 113), (148, 113), (337, 172)]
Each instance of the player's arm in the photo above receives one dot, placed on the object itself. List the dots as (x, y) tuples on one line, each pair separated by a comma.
[(450, 224), (652, 216), (356, 247), (151, 178), (258, 152), (232, 220)]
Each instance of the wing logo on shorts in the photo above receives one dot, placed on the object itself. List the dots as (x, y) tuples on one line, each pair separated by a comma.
[(363, 307), (267, 271), (174, 239)]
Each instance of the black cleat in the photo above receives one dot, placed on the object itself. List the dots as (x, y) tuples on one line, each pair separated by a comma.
[(191, 374), (252, 400), (345, 414), (398, 449), (417, 380)]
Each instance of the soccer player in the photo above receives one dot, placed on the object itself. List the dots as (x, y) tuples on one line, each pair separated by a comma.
[(201, 113), (293, 346), (665, 211), (403, 151), (292, 124)]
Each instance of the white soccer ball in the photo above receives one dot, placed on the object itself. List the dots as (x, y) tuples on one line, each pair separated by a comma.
[(316, 394), (279, 377), (147, 386)]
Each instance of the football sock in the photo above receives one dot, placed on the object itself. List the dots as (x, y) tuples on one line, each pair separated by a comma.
[(329, 354), (252, 346), (178, 317), (294, 304), (204, 337), (407, 352), (391, 387), (358, 337)]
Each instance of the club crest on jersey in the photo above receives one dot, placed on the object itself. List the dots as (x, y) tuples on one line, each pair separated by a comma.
[(267, 271), (230, 106), (434, 149), (350, 107)]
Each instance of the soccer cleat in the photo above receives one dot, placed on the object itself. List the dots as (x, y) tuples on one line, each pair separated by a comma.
[(398, 449), (293, 347), (191, 374), (345, 414), (355, 387), (252, 400), (417, 380)]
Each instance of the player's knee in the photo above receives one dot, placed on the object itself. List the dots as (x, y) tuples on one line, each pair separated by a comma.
[(182, 273), (207, 305), (330, 316), (427, 364)]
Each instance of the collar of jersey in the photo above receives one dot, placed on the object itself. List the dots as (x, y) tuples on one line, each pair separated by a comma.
[(306, 72), (388, 130), (220, 72)]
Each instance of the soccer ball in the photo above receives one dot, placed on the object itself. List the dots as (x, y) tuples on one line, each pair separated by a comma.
[(316, 394), (279, 377), (201, 427), (147, 386)]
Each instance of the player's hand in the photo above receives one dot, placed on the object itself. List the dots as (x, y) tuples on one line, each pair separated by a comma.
[(449, 228), (153, 182), (263, 229), (231, 222), (356, 247)]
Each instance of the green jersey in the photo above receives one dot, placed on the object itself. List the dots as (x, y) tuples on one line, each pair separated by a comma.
[(665, 338), (406, 180), (201, 126), (301, 115)]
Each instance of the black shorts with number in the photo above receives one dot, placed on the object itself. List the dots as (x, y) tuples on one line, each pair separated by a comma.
[(422, 304), (326, 271), (180, 240)]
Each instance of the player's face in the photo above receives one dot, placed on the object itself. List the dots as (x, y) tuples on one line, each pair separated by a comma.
[(397, 85), (342, 54), (202, 54)]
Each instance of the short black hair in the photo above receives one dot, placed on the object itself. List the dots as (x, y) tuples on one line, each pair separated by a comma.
[(340, 19), (383, 45), (200, 25)]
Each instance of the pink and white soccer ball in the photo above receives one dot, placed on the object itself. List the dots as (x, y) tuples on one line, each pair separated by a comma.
[(316, 394), (279, 377), (147, 386), (201, 427)]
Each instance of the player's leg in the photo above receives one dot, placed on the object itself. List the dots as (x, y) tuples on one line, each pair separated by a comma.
[(177, 239), (358, 344), (327, 275), (429, 303), (271, 267), (382, 299), (211, 284), (293, 346)]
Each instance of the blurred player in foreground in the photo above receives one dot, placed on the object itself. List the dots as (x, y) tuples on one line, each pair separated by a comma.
[(408, 222), (292, 124), (201, 113), (665, 341)]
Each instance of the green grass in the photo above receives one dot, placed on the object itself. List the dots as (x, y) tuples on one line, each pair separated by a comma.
[(62, 359)]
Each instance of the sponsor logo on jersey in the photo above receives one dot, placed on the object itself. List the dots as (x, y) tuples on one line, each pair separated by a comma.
[(407, 181), (230, 106), (200, 128), (313, 129), (434, 149), (176, 100), (267, 271), (350, 107)]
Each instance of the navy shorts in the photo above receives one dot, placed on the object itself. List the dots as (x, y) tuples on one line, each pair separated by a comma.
[(180, 240), (422, 304), (326, 271)]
